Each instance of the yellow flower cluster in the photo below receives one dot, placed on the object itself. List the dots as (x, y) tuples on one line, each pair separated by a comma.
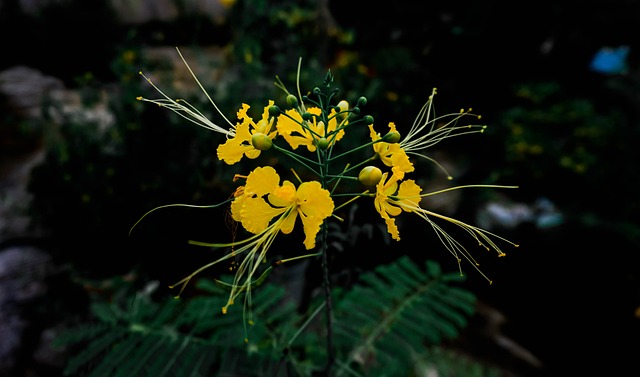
[(265, 206)]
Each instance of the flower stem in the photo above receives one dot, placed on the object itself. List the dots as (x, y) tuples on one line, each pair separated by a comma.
[(326, 282), (328, 302)]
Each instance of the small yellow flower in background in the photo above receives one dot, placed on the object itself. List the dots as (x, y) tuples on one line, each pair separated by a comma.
[(310, 202), (297, 131), (241, 143), (227, 3)]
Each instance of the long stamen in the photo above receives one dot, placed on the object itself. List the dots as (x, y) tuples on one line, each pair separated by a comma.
[(202, 88), (187, 112)]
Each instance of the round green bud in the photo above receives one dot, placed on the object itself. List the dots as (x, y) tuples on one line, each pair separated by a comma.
[(274, 111), (391, 137), (370, 175), (322, 143), (362, 101), (316, 91), (261, 141), (306, 116), (368, 119), (356, 110), (292, 101)]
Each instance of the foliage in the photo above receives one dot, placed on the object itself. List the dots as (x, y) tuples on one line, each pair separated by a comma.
[(392, 323), (102, 178), (551, 133)]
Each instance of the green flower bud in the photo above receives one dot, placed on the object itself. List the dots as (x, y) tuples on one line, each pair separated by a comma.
[(292, 101), (368, 119), (370, 175), (306, 116), (322, 143), (391, 137), (356, 110), (274, 111), (316, 91), (261, 141), (362, 101)]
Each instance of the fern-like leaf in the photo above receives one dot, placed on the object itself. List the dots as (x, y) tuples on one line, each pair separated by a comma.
[(396, 312), (142, 337)]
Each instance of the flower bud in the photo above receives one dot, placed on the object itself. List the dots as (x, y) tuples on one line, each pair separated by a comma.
[(391, 137), (343, 105), (274, 111), (292, 101), (322, 143), (370, 175), (342, 108), (306, 116), (368, 119), (362, 101), (261, 141)]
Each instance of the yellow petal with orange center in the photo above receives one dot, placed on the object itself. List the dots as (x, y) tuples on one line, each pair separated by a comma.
[(283, 196)]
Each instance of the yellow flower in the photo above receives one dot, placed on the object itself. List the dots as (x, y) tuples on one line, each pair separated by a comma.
[(261, 200), (392, 155), (290, 126), (240, 144), (264, 199), (391, 200)]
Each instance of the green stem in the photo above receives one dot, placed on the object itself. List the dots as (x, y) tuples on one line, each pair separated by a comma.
[(300, 159), (326, 282), (355, 149), (328, 302)]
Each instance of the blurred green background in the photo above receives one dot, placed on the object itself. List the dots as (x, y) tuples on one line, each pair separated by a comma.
[(558, 86)]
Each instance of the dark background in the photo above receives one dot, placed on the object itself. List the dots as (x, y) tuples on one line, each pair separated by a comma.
[(570, 293)]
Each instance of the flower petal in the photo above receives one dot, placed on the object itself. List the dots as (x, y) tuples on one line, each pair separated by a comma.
[(261, 181), (409, 195), (257, 213), (314, 204)]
